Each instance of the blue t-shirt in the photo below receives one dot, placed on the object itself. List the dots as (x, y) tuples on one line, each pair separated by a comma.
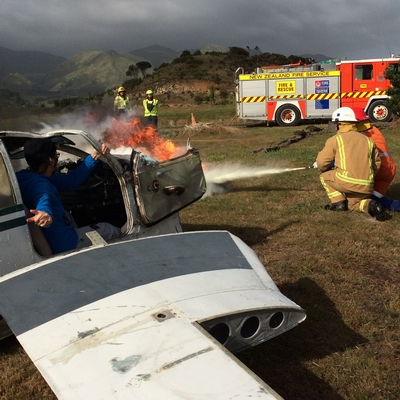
[(40, 192)]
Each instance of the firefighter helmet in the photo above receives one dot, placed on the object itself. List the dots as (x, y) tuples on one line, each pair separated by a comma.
[(344, 114), (363, 119), (149, 92), (360, 114), (121, 89)]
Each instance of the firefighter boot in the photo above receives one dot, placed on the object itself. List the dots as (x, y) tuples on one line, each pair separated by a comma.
[(339, 206), (376, 210)]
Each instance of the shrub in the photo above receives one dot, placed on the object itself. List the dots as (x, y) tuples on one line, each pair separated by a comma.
[(223, 94), (198, 99), (198, 74)]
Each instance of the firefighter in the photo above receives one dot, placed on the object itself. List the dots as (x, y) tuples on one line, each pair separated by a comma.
[(387, 170), (350, 183), (150, 106), (121, 102)]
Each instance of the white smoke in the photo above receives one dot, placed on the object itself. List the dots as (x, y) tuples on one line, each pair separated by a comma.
[(90, 121), (219, 176)]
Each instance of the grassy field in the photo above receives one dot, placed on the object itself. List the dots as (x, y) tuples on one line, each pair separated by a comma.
[(342, 268)]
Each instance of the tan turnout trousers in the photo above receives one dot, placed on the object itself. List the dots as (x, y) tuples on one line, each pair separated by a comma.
[(337, 191)]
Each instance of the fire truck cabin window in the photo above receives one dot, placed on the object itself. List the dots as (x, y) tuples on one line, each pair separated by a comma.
[(363, 72)]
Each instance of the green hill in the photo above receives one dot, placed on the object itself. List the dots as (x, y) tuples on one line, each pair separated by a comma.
[(90, 72), (156, 55), (198, 78), (32, 64), (16, 80), (213, 48)]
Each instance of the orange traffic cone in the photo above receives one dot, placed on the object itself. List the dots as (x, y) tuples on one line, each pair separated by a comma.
[(194, 123)]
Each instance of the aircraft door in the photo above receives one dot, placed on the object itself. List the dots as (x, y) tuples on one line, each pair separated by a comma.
[(163, 188)]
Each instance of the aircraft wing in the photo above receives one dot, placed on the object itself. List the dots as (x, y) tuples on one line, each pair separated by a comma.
[(146, 318)]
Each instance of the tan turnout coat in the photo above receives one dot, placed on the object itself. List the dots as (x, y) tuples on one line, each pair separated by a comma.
[(356, 161)]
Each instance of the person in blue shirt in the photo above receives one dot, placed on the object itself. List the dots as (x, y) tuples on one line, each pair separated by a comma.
[(39, 188)]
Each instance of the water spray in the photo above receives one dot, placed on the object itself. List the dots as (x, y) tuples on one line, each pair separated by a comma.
[(219, 175), (297, 169)]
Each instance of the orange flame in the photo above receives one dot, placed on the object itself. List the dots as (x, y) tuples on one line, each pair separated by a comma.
[(132, 134)]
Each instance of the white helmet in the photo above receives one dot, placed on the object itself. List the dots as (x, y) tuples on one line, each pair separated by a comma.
[(344, 114)]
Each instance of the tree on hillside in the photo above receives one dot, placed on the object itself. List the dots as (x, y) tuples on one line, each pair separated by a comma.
[(393, 74), (9, 99), (133, 71), (185, 57), (238, 51), (237, 57), (143, 66)]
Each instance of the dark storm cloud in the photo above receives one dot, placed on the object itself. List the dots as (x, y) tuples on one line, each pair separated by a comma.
[(337, 28)]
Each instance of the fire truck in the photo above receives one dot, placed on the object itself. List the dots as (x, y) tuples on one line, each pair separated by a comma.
[(290, 93)]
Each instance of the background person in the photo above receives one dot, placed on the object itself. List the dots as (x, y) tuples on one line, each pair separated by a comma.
[(150, 106), (121, 102), (387, 170), (39, 188), (349, 185)]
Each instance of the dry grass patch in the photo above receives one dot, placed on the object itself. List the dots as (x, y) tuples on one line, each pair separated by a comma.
[(342, 268), (20, 380), (208, 129)]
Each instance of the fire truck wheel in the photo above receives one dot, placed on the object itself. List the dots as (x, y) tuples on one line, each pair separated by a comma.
[(287, 115), (379, 112)]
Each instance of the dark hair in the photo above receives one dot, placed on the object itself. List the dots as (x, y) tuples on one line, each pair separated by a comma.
[(38, 151)]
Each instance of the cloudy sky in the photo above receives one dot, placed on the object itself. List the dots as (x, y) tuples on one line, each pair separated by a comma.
[(335, 28)]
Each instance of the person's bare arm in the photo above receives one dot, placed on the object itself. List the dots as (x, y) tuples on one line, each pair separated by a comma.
[(40, 218), (104, 150)]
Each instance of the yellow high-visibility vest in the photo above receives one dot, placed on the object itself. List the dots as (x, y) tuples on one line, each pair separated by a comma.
[(154, 110), (121, 103)]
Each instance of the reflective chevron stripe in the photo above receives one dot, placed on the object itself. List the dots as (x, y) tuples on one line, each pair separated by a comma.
[(286, 96), (315, 96), (253, 99)]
